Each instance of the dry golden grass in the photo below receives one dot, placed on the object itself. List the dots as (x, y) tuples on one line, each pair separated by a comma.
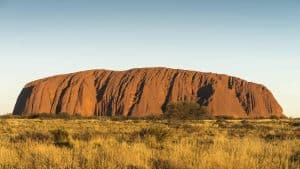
[(138, 144)]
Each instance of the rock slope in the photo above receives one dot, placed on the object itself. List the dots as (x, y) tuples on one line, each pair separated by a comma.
[(143, 92)]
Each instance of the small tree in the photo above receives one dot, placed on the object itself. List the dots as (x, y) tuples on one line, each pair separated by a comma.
[(62, 138), (186, 110)]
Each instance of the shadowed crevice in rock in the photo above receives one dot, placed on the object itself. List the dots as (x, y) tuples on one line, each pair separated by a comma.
[(247, 100), (101, 91), (22, 100), (230, 82), (204, 94), (169, 93), (250, 102), (55, 100), (110, 109)]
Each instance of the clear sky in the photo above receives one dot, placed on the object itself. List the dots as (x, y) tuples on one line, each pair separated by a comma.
[(257, 40)]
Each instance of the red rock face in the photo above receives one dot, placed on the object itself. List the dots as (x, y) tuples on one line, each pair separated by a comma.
[(143, 92)]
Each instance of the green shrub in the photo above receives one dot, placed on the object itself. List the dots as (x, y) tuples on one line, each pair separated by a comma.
[(186, 111), (62, 138)]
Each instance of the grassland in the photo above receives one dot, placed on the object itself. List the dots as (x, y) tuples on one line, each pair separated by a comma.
[(138, 144)]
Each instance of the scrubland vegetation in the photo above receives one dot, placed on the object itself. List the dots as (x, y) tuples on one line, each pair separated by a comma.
[(149, 144)]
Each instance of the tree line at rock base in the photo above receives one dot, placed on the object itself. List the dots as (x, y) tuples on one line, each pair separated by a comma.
[(173, 111)]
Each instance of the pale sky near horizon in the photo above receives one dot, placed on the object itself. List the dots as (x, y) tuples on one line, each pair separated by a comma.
[(256, 40)]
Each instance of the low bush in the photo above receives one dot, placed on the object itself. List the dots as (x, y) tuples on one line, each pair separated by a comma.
[(62, 138), (186, 111)]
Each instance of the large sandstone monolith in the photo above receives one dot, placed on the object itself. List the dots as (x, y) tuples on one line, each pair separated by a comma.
[(143, 92)]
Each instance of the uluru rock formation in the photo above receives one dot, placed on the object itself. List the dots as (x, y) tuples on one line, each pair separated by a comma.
[(143, 92)]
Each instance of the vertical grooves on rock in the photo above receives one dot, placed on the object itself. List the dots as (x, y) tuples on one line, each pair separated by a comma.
[(241, 94), (101, 92), (138, 95), (169, 92), (79, 95), (269, 107), (56, 96), (33, 101), (194, 77), (58, 107), (230, 82), (41, 97), (123, 84)]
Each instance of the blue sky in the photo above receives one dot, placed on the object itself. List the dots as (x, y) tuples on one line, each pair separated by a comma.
[(257, 40)]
